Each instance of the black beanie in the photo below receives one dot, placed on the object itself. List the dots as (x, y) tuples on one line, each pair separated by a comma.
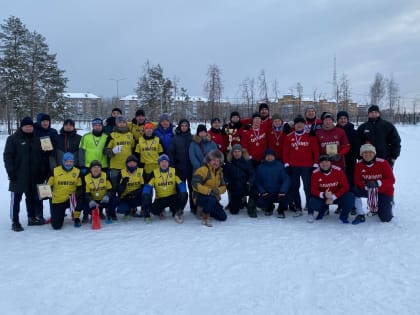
[(373, 108), (45, 117), (342, 113), (69, 122), (140, 112), (299, 119), (235, 113), (215, 119), (27, 121), (254, 115), (262, 105), (201, 128)]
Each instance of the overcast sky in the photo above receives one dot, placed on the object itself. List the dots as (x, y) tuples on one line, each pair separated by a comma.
[(293, 41)]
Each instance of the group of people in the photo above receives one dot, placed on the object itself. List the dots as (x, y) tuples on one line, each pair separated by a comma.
[(138, 168)]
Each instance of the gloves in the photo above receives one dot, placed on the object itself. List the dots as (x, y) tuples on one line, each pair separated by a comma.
[(372, 184), (105, 199), (215, 192), (335, 157), (117, 149), (92, 204)]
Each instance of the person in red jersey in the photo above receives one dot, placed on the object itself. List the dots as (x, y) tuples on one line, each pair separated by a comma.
[(312, 123), (300, 156), (254, 140), (332, 140), (329, 186), (234, 130), (218, 135), (275, 136), (374, 180)]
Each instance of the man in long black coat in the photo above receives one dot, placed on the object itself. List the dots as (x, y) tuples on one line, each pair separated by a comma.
[(22, 160)]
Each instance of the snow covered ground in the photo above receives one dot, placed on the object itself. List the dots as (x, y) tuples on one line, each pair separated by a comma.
[(242, 266)]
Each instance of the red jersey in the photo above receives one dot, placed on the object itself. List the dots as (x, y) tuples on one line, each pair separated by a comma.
[(300, 150), (275, 141), (333, 141), (335, 180), (379, 171), (255, 142), (234, 133), (220, 138)]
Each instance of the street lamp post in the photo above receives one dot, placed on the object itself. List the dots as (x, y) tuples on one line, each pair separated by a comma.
[(116, 83)]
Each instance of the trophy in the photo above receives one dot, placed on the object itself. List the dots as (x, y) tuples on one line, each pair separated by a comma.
[(230, 133)]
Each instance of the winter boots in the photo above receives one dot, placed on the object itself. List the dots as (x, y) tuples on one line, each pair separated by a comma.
[(17, 227)]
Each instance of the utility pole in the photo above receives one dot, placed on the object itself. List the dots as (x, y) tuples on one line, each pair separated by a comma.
[(117, 82)]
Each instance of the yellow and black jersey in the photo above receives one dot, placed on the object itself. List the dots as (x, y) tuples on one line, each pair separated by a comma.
[(138, 130), (149, 150), (64, 183), (126, 140), (164, 183), (135, 180), (96, 188)]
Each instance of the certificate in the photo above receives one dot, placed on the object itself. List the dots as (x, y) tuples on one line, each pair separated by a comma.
[(46, 144), (331, 149), (44, 191)]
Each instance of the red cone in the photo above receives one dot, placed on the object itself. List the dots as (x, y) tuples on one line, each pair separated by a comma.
[(96, 221)]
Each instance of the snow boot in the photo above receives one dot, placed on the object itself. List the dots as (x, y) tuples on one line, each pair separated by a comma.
[(359, 219), (17, 227), (178, 217), (77, 223)]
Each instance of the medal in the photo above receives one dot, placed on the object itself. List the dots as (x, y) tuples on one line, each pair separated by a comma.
[(296, 148), (96, 194), (277, 144), (257, 144)]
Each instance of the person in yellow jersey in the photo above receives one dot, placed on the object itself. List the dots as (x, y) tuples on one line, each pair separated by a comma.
[(149, 148), (98, 193), (209, 185), (136, 125), (170, 191), (64, 182), (129, 188), (119, 146)]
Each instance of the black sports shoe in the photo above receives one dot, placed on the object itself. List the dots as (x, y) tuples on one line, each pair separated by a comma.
[(35, 221), (85, 218), (359, 219), (17, 227), (281, 214)]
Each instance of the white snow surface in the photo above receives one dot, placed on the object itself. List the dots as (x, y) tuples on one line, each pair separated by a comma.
[(241, 266)]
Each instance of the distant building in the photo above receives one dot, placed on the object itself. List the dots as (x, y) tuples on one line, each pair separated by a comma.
[(129, 104), (83, 106)]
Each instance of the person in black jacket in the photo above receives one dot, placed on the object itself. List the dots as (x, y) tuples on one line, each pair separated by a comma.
[(22, 160), (381, 134), (66, 141), (351, 157), (240, 179), (180, 158)]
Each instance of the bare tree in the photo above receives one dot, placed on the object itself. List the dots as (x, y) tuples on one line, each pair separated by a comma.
[(377, 89), (263, 87), (247, 91), (344, 93), (214, 88), (392, 95), (299, 90)]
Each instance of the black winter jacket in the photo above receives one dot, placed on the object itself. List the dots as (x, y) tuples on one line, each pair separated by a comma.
[(237, 173), (22, 160), (178, 153), (65, 142)]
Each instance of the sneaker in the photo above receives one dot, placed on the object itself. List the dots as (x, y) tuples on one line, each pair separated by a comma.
[(345, 221), (148, 220), (267, 212), (35, 221), (311, 218), (17, 227), (108, 220), (77, 223), (281, 214), (178, 217), (359, 219), (85, 218), (298, 213)]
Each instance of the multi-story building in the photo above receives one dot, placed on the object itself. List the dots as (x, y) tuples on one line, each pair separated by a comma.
[(83, 106), (128, 104)]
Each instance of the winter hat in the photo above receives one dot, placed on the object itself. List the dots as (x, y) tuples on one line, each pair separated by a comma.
[(326, 115), (308, 107), (214, 119), (148, 125), (95, 163), (131, 158), (97, 121), (234, 113), (116, 109), (269, 152), (323, 157), (214, 154), (69, 122), (254, 115), (236, 147), (262, 105), (373, 108), (201, 128), (67, 157), (27, 121), (299, 119), (164, 117), (342, 113), (183, 121), (367, 147), (45, 117), (163, 157), (120, 119), (275, 116), (140, 112)]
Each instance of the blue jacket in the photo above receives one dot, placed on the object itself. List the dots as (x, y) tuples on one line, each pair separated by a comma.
[(199, 149), (165, 136), (272, 178)]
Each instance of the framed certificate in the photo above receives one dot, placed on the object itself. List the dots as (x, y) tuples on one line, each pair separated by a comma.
[(44, 191), (331, 149), (46, 143)]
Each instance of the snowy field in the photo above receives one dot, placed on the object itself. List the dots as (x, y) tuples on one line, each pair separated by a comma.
[(241, 266)]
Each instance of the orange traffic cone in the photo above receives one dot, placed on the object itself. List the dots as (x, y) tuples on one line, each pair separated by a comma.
[(96, 221)]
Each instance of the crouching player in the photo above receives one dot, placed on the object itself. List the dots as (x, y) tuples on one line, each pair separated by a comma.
[(129, 188), (64, 182), (170, 192), (329, 186), (98, 192), (374, 180)]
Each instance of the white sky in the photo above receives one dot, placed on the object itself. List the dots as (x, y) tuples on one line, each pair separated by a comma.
[(293, 41)]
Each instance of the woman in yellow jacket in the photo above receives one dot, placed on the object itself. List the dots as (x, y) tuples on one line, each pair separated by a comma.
[(64, 182), (208, 185)]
